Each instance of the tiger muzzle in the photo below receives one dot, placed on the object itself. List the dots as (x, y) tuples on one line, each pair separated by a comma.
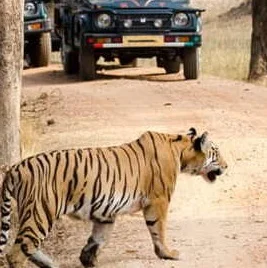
[(212, 175)]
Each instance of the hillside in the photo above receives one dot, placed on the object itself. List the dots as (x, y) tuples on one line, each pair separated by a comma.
[(214, 8)]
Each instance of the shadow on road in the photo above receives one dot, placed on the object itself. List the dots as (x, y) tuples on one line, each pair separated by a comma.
[(54, 75)]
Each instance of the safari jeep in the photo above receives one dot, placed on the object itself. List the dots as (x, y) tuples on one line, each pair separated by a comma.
[(169, 30), (37, 33)]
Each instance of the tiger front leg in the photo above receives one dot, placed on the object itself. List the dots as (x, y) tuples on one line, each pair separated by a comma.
[(100, 233), (155, 215)]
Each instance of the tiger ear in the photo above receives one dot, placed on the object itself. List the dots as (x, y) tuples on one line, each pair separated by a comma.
[(192, 133), (4, 168), (201, 143)]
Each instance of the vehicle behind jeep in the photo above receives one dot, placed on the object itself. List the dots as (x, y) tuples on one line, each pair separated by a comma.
[(37, 33), (169, 30)]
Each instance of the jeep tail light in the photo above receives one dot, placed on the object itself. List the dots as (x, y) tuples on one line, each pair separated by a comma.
[(116, 40), (103, 40), (99, 42), (35, 26), (169, 39), (90, 40), (184, 39), (172, 39)]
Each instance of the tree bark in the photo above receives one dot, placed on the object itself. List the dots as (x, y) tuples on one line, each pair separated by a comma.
[(258, 61), (11, 64)]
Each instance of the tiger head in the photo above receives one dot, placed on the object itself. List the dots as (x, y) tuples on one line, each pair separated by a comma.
[(202, 157)]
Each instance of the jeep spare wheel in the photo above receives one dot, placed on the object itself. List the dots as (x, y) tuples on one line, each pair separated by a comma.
[(40, 52)]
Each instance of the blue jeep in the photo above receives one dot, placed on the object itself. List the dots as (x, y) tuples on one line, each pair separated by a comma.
[(37, 33), (169, 30)]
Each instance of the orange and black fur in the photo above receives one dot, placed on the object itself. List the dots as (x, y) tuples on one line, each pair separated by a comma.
[(98, 184)]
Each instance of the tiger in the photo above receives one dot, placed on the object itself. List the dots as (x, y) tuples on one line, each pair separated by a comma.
[(98, 184)]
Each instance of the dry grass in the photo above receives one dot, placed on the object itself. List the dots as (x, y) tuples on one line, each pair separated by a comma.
[(226, 48), (30, 131)]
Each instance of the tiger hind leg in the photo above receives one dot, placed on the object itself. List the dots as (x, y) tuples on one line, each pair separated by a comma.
[(16, 258), (23, 250), (42, 260), (100, 233), (155, 215)]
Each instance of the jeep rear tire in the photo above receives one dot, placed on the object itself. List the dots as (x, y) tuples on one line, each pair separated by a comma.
[(40, 50), (70, 61), (87, 64), (191, 63), (172, 66)]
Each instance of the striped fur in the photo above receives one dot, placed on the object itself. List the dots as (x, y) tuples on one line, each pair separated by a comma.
[(98, 184)]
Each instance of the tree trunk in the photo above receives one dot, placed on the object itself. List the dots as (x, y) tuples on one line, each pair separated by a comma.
[(258, 61), (11, 64)]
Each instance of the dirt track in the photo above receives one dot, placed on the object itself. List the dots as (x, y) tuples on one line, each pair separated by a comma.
[(221, 225)]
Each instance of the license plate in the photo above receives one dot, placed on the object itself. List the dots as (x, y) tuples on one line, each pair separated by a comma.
[(143, 41)]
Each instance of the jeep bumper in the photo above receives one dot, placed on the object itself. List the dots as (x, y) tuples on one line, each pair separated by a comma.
[(170, 40), (37, 26)]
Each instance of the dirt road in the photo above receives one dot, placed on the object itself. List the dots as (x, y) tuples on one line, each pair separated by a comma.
[(223, 225)]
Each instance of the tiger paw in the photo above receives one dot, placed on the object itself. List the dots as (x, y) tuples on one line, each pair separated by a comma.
[(88, 262), (166, 254), (174, 255), (88, 255)]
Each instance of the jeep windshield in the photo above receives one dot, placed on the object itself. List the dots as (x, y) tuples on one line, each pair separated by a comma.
[(138, 3)]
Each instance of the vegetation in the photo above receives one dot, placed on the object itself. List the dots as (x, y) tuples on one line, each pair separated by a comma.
[(226, 48), (30, 131)]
